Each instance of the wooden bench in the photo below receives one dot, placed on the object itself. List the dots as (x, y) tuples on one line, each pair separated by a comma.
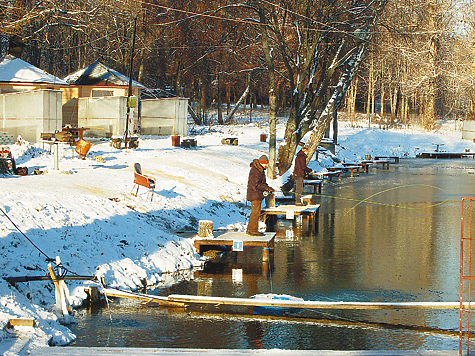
[(230, 141), (290, 212), (116, 141), (188, 143), (315, 183)]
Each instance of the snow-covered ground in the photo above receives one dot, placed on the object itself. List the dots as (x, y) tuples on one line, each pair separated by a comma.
[(85, 212)]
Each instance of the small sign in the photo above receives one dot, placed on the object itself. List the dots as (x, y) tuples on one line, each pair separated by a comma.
[(238, 246), (237, 275), (289, 215), (132, 102)]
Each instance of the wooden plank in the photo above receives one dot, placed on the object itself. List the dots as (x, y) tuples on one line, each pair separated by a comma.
[(297, 210), (228, 238), (47, 278), (191, 299), (142, 297), (21, 322)]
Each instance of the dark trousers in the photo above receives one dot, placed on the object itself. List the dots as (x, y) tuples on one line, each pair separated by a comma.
[(253, 225), (298, 188)]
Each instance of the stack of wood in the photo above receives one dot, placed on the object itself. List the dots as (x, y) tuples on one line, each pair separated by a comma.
[(205, 228)]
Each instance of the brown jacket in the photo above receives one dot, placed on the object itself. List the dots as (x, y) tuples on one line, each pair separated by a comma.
[(256, 184), (300, 166)]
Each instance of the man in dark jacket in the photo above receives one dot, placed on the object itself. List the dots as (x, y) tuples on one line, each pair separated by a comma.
[(300, 168), (256, 186)]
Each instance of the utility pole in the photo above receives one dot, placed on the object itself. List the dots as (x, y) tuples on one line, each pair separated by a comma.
[(130, 82)]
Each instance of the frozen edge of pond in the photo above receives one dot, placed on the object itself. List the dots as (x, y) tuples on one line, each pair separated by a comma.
[(105, 351)]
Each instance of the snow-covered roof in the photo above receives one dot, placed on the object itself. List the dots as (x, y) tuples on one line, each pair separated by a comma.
[(98, 73), (15, 70)]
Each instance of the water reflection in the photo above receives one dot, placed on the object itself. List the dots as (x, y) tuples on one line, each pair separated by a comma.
[(387, 236)]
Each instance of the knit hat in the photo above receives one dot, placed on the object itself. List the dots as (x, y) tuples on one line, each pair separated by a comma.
[(263, 159)]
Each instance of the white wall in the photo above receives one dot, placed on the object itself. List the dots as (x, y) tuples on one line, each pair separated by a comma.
[(167, 116), (468, 131), (31, 113), (104, 116)]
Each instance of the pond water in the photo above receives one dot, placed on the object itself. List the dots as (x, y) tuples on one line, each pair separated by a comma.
[(390, 235)]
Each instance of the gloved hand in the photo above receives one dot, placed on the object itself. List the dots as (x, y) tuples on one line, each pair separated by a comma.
[(270, 189)]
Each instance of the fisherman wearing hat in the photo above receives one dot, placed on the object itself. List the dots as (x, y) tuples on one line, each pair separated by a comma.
[(300, 170), (256, 186)]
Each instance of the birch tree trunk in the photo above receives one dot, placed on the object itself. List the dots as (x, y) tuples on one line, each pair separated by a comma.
[(240, 101), (332, 105)]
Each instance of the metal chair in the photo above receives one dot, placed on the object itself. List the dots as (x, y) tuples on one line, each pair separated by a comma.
[(143, 180)]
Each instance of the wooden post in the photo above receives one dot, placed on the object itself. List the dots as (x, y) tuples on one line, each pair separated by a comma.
[(205, 228), (270, 201), (265, 254), (61, 292), (93, 293)]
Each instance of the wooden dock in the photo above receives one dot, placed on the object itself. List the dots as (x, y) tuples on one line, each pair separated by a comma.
[(393, 159), (383, 162), (445, 154), (237, 241), (315, 183), (330, 174), (290, 212)]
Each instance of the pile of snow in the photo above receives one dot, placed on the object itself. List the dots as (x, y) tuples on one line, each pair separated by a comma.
[(85, 212)]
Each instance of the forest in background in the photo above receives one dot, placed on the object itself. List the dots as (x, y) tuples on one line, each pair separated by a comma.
[(398, 62)]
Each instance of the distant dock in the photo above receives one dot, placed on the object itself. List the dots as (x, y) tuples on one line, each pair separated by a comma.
[(445, 154)]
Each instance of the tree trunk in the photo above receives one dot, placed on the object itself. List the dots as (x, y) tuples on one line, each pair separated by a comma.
[(370, 90), (220, 103), (271, 169), (240, 101), (335, 101), (382, 100)]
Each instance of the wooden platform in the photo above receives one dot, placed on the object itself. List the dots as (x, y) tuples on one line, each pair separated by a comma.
[(329, 175), (352, 168), (238, 240), (445, 154), (393, 159), (383, 162), (315, 183), (290, 212), (365, 165)]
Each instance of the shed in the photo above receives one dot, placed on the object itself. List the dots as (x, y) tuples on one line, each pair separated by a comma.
[(17, 75), (95, 81), (30, 100), (42, 113)]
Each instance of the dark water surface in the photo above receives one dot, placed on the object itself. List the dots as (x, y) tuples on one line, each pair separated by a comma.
[(390, 235)]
